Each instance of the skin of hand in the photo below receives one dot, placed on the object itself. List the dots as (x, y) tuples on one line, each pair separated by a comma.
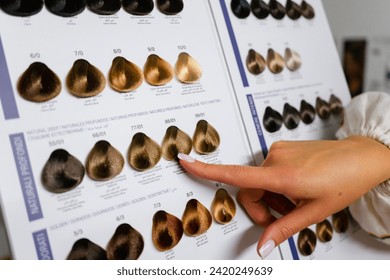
[(319, 178)]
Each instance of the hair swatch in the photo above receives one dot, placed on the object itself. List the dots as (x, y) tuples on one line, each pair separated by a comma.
[(167, 230), (157, 71), (175, 141), (255, 62), (124, 76), (275, 61), (324, 231), (126, 244), (196, 218), (84, 249), (292, 59), (340, 221), (336, 106), (293, 10), (170, 7), (138, 7), (21, 8), (260, 9), (187, 69), (276, 9), (84, 79), (65, 8), (39, 83), (62, 172), (307, 112), (223, 207), (206, 138), (144, 152), (272, 120), (307, 10), (322, 108), (291, 116), (307, 241), (104, 162), (240, 8), (104, 7)]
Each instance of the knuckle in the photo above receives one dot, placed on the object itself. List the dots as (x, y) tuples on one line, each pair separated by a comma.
[(233, 172), (286, 232)]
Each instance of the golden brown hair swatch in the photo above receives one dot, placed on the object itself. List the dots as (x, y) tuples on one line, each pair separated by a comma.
[(336, 106), (187, 69), (62, 172), (167, 230), (21, 8), (255, 62), (292, 59), (206, 138), (340, 221), (275, 61), (104, 161), (293, 10), (307, 112), (307, 241), (138, 7), (272, 120), (324, 231), (322, 108), (175, 141), (104, 7), (65, 8), (157, 71), (196, 218), (124, 75), (223, 207), (39, 83), (84, 249), (240, 8), (144, 153), (170, 7), (307, 10), (260, 9), (84, 79), (126, 244), (276, 9)]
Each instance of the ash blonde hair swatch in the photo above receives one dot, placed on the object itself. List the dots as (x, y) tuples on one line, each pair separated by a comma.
[(157, 71), (272, 120), (206, 138), (170, 7), (124, 76), (175, 141), (187, 69), (307, 241), (65, 8), (324, 231), (39, 83), (223, 207), (275, 61), (255, 62), (292, 59), (167, 230), (307, 10), (21, 8), (196, 218), (260, 9), (144, 153), (276, 9), (240, 8), (104, 7), (138, 7), (84, 249)]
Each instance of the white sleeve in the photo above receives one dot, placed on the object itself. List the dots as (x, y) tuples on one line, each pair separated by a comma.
[(368, 115)]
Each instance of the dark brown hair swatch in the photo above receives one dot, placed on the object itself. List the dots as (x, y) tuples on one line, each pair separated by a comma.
[(340, 221), (291, 116), (255, 62), (126, 244), (167, 230), (322, 108), (307, 241), (336, 106), (175, 141), (138, 7), (276, 9), (275, 61), (293, 10), (104, 7), (124, 76), (65, 8), (62, 172), (144, 152), (196, 218), (206, 138), (187, 69), (39, 83), (223, 207), (84, 79), (272, 120), (260, 9), (170, 7), (84, 249), (157, 71), (307, 112), (240, 8), (104, 161), (324, 231), (21, 8), (292, 59), (307, 10)]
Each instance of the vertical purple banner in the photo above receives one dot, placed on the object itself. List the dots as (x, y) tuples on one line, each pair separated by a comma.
[(42, 245), (26, 177), (6, 93)]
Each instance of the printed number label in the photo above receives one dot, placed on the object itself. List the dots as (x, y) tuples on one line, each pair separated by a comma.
[(151, 49), (35, 55), (157, 205), (181, 47), (54, 143), (172, 120), (78, 232), (78, 53), (200, 115), (120, 218), (98, 134), (189, 194), (117, 51), (137, 127)]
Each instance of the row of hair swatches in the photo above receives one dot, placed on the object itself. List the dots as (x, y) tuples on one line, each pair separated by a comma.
[(307, 238), (261, 10), (70, 8), (63, 171), (256, 63), (38, 83), (273, 120), (167, 230)]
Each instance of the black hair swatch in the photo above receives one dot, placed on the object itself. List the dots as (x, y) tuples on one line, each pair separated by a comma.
[(21, 8), (293, 10), (84, 249), (240, 8), (66, 8), (167, 230), (322, 108), (307, 112), (307, 241), (291, 116), (260, 9), (307, 10), (255, 62), (170, 7), (276, 9), (144, 153), (138, 7), (272, 120), (175, 141), (104, 7), (336, 106), (62, 172)]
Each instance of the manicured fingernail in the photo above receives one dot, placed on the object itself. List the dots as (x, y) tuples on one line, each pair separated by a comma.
[(185, 157), (266, 249)]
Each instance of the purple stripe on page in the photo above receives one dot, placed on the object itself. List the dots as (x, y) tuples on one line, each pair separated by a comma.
[(42, 245)]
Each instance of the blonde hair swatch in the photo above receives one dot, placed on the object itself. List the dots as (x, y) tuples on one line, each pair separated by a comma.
[(170, 7), (322, 108), (21, 8), (104, 7), (124, 76), (324, 231), (104, 162), (223, 207), (292, 59), (260, 9), (138, 7), (196, 218), (175, 141), (62, 172), (240, 8), (84, 249), (206, 138), (167, 230), (39, 83), (144, 152), (84, 79), (340, 221), (307, 241), (187, 69), (336, 106), (65, 8), (276, 9), (126, 244), (307, 10), (157, 71), (255, 62), (275, 61), (293, 10)]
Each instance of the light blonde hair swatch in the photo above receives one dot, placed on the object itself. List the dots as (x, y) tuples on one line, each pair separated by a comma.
[(157, 71), (175, 141), (138, 7), (126, 244), (255, 62), (104, 161), (124, 76), (170, 7), (39, 83), (206, 138), (307, 10), (307, 241), (144, 153), (196, 218), (223, 207), (324, 231), (167, 230), (84, 79), (84, 249), (275, 61), (292, 59), (340, 221), (62, 172), (187, 69)]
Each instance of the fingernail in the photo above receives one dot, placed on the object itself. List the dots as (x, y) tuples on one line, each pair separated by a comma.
[(266, 249), (185, 157)]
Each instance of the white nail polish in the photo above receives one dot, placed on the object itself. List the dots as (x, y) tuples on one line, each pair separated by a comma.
[(185, 157), (266, 249)]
